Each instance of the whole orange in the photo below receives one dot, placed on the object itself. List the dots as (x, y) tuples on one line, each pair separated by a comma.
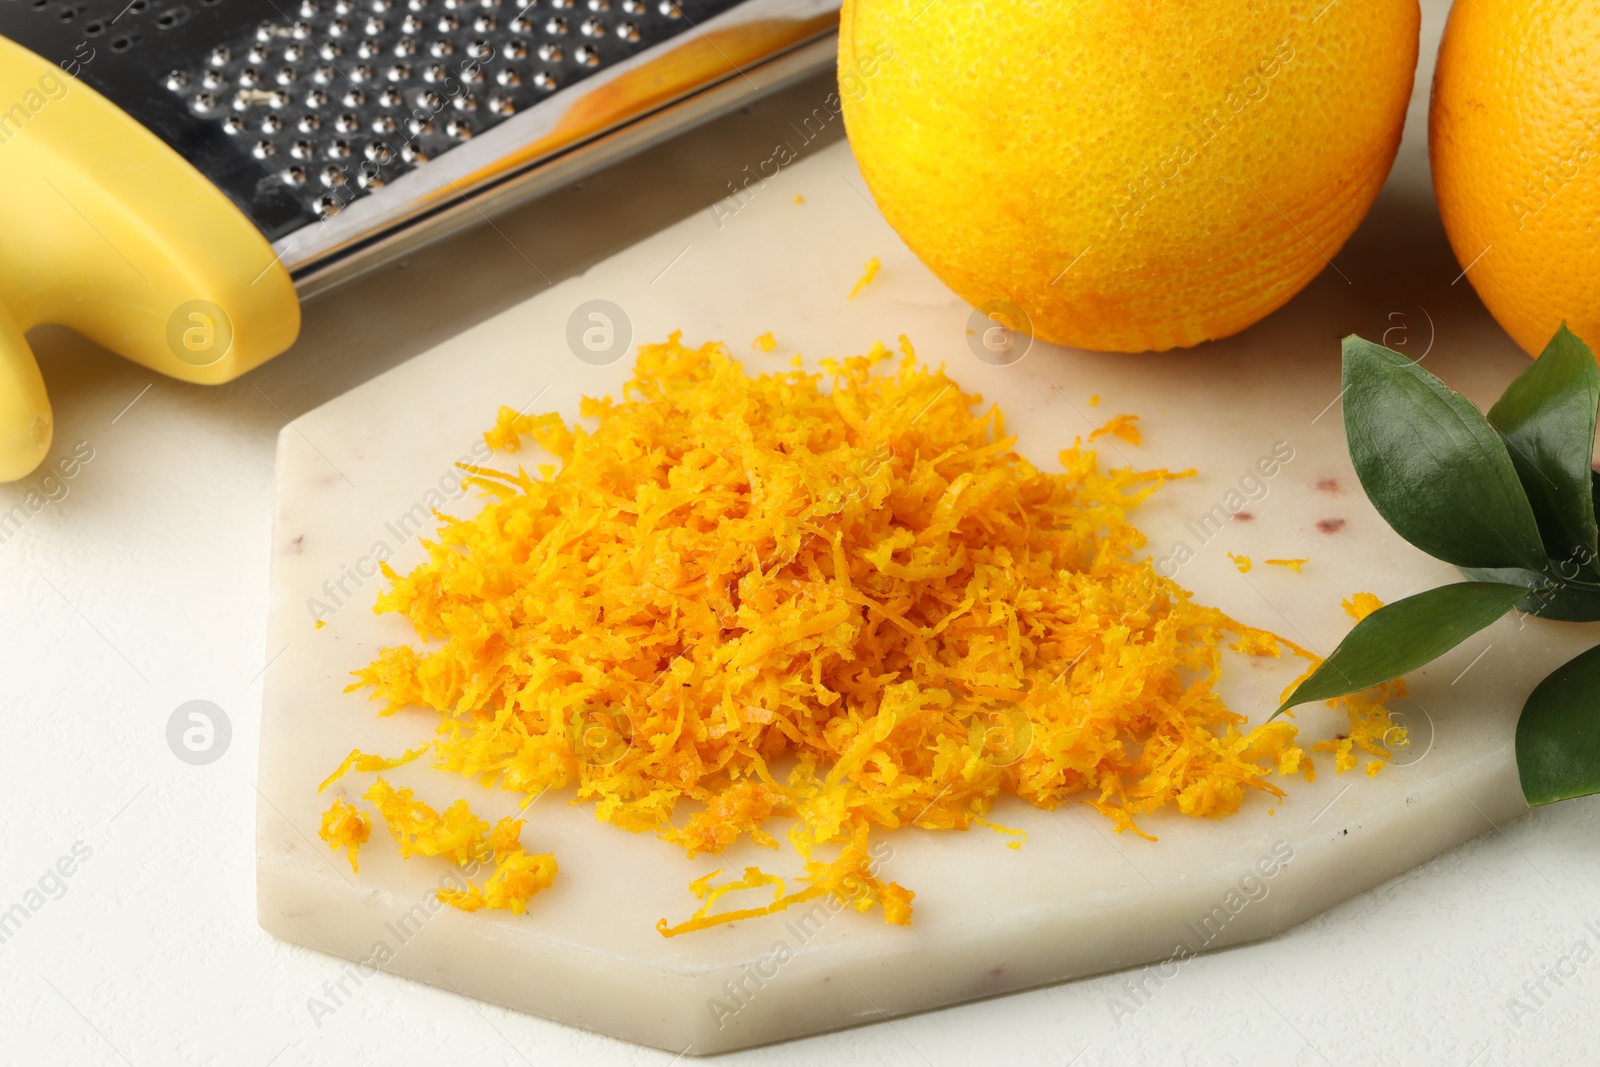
[(1132, 174), (1513, 134)]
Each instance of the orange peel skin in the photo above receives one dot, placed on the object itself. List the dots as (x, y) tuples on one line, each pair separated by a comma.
[(840, 599)]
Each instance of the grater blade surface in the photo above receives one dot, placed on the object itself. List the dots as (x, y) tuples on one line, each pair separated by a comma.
[(299, 109)]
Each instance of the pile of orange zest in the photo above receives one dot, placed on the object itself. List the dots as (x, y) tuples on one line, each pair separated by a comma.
[(345, 827), (1242, 562), (765, 343), (1360, 605), (870, 272), (1122, 426), (811, 597), (1292, 564), (362, 761)]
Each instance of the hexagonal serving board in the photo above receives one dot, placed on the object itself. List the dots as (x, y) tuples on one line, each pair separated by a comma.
[(357, 476)]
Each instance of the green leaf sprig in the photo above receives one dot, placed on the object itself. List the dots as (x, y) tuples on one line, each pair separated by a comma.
[(1509, 499)]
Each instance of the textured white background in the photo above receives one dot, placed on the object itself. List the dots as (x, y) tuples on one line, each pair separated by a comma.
[(144, 586)]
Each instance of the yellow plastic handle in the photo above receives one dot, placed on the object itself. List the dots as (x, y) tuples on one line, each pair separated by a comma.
[(25, 423), (105, 229)]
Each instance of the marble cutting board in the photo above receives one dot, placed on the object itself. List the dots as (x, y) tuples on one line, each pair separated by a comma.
[(356, 476)]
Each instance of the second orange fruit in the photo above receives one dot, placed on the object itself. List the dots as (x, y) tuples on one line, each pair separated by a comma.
[(1514, 136)]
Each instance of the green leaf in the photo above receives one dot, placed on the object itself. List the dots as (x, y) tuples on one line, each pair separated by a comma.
[(1567, 601), (1558, 736), (1547, 417), (1400, 637), (1433, 466)]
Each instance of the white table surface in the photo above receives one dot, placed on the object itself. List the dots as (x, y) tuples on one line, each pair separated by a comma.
[(142, 586)]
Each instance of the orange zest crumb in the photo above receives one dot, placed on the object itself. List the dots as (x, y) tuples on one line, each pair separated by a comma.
[(517, 877), (1242, 562), (465, 840), (1019, 835), (1292, 564), (765, 343), (799, 199), (870, 272), (1094, 401), (319, 624), (1123, 426), (345, 827), (1360, 605), (419, 830)]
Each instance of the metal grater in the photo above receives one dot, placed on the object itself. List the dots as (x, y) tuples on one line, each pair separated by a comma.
[(343, 132), (301, 109)]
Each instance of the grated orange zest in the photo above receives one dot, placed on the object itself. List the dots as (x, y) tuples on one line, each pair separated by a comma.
[(1123, 426), (362, 761), (517, 875), (841, 600), (345, 827), (1360, 605), (869, 272)]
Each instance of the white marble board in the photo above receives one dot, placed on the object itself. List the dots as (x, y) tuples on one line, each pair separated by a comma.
[(1077, 899)]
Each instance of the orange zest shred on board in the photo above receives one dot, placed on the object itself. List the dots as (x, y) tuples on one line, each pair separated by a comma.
[(517, 874), (868, 273), (1371, 729), (457, 834), (1292, 564), (1123, 426), (1241, 562), (1360, 605), (362, 761), (345, 827), (841, 600), (765, 343)]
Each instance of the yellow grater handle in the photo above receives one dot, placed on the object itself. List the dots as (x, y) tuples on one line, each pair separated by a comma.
[(105, 229), (24, 408)]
